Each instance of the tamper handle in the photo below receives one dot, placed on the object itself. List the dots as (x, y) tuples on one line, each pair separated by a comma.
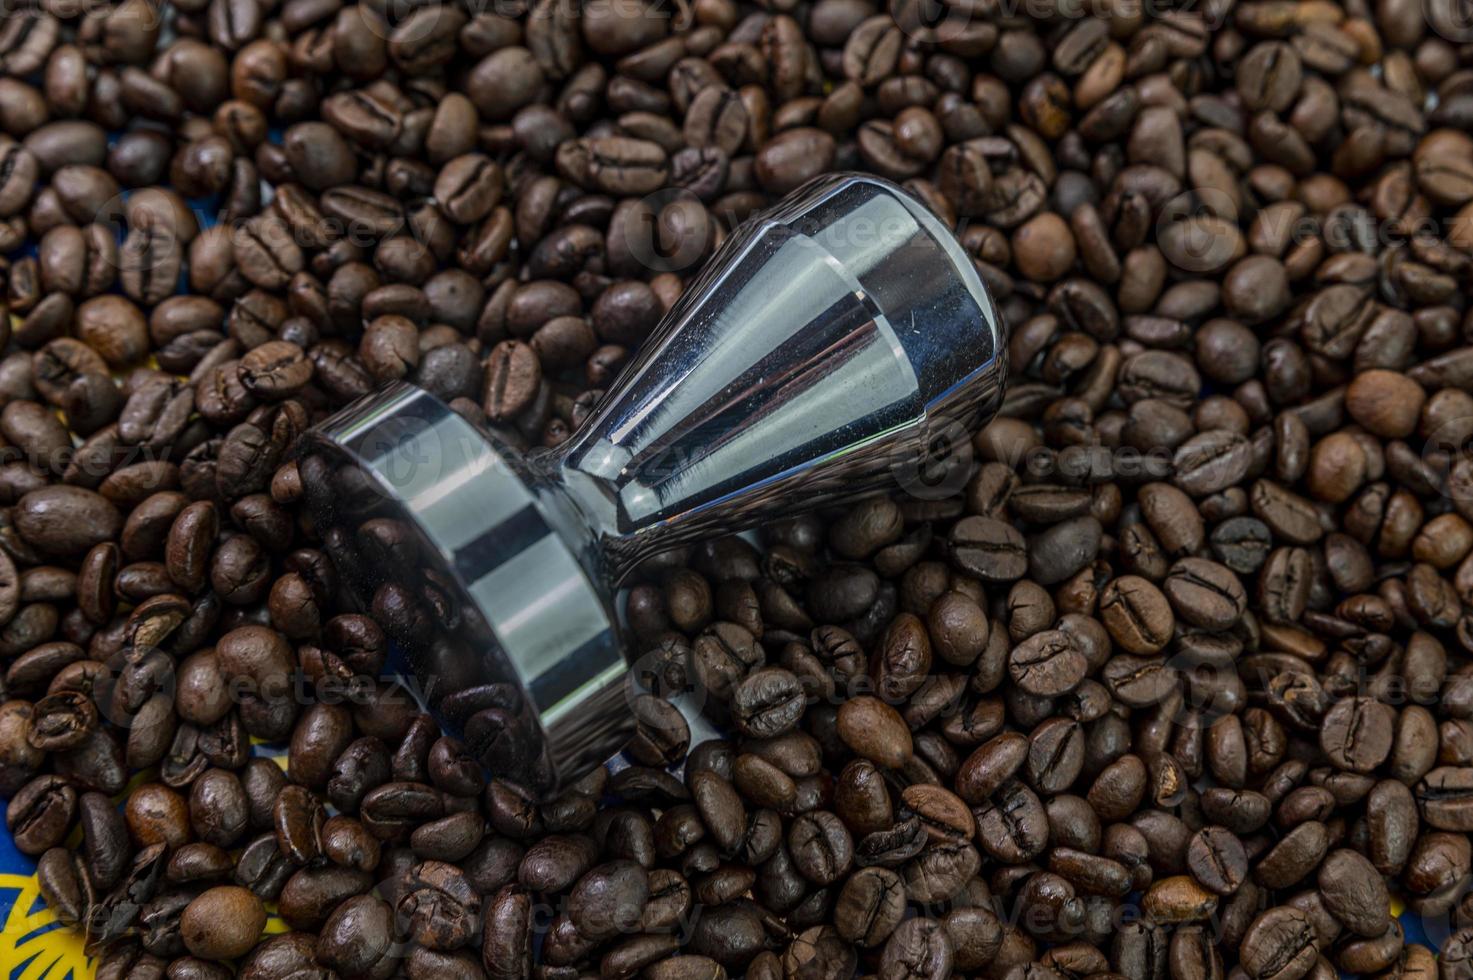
[(829, 341)]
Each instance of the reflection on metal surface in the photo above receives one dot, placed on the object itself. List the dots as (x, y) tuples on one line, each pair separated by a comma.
[(824, 344), (829, 341)]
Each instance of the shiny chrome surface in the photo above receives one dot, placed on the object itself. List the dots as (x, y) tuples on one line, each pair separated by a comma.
[(830, 342), (515, 647)]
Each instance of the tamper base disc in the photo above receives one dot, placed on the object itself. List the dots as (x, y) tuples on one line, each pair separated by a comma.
[(515, 647)]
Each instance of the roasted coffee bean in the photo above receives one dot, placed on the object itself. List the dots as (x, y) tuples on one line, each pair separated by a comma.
[(298, 818), (469, 187), (1294, 856), (438, 907), (609, 899), (720, 808), (40, 814), (218, 807), (663, 734), (513, 373), (65, 884), (918, 947), (21, 171), (870, 906), (1279, 943), (1217, 860), (821, 846), (104, 841), (790, 158), (1047, 664), (1205, 594), (875, 731), (150, 260), (767, 702), (1350, 888), (990, 549), (1063, 549), (1012, 826), (990, 766), (222, 923), (1177, 899), (1137, 615), (1356, 734), (357, 936), (66, 521)]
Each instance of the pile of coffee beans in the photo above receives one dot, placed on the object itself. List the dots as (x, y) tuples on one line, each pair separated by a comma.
[(1178, 682)]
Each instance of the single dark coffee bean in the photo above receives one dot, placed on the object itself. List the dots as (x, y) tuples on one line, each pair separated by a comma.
[(870, 906), (609, 899), (992, 550), (66, 521), (357, 936), (298, 818), (218, 807), (40, 814), (105, 842), (469, 187), (1217, 860), (1204, 593), (663, 734), (875, 731), (1139, 681), (1137, 615), (21, 171), (789, 159), (1354, 892), (554, 863), (512, 376), (438, 907), (614, 164), (275, 369), (767, 702), (918, 947), (62, 721), (1063, 549), (1179, 898), (1391, 821), (64, 883), (718, 118), (1356, 734), (1055, 755), (1012, 826), (943, 814), (223, 923), (821, 846), (1295, 855), (150, 260), (1291, 517), (1047, 664), (1279, 943)]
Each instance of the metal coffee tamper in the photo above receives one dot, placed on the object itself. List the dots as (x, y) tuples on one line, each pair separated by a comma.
[(824, 347)]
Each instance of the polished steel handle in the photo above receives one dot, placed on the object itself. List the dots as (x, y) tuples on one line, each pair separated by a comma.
[(826, 344)]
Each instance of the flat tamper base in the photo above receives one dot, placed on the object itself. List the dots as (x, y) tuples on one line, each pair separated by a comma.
[(485, 589)]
